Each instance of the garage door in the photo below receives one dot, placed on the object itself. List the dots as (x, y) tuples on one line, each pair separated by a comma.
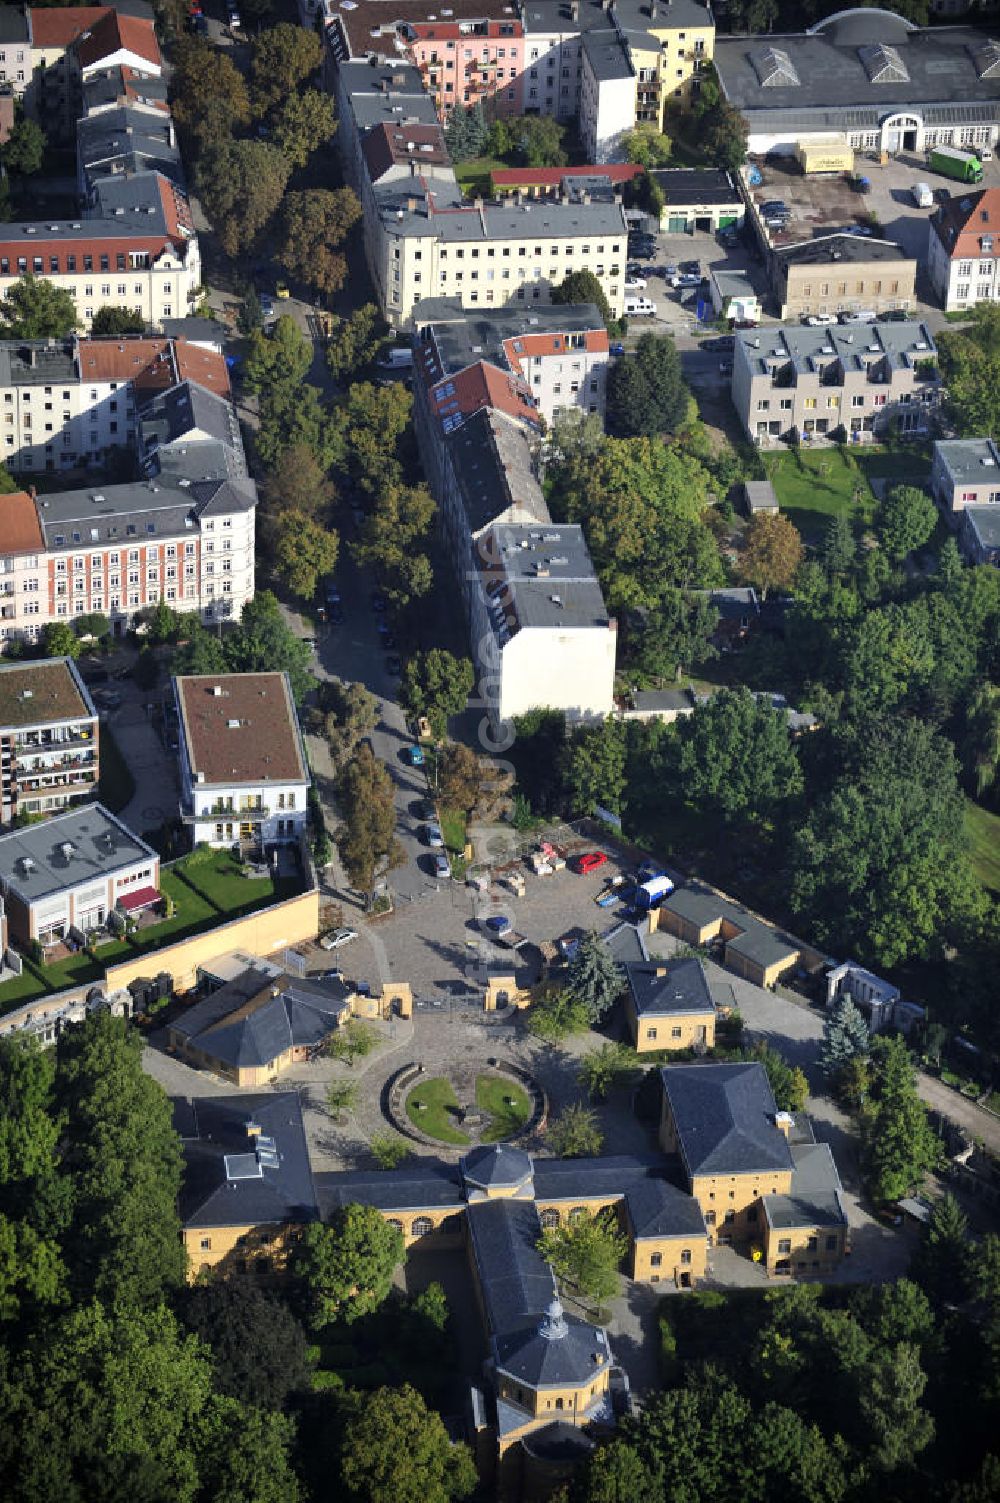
[(725, 220), (676, 224)]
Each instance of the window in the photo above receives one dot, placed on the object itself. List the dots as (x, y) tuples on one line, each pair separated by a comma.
[(549, 1218), (831, 1243), (651, 1033), (675, 1033), (685, 1255), (709, 1218), (655, 1260), (813, 1244), (206, 1244), (785, 1245), (421, 1226)]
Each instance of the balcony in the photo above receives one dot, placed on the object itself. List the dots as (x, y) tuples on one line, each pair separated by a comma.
[(36, 744), (226, 812)]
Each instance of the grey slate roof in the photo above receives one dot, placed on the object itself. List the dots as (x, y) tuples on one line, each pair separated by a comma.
[(492, 464), (665, 988), (544, 219), (856, 347), (274, 1195), (816, 1196), (175, 416), (128, 139), (724, 1118), (491, 1168), (82, 845), (463, 336), (13, 24), (757, 940), (159, 508), (626, 943), (656, 1207), (553, 16), (827, 250), (515, 1280), (650, 700), (245, 1025), (108, 86), (530, 1357), (985, 523), (423, 1184), (608, 55), (760, 495)]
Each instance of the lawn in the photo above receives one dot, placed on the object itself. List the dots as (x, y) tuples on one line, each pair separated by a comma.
[(818, 484), (218, 879), (474, 175), (453, 829), (20, 989), (427, 1107), (508, 1105), (983, 830)]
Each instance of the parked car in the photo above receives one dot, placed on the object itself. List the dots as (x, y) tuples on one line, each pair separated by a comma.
[(856, 316), (498, 923), (282, 290), (819, 320), (433, 837), (617, 348), (267, 305), (588, 862), (670, 270), (424, 809), (334, 938), (893, 316), (691, 268), (442, 866), (774, 205), (233, 19), (642, 252), (685, 279), (415, 756), (336, 615), (635, 284)]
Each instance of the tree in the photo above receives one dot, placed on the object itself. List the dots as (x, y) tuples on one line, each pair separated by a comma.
[(354, 1040), (788, 1083), (724, 137), (263, 642), (735, 758), (583, 287), (91, 626), (647, 147), (601, 1069), (305, 122), (345, 713), (772, 553), (529, 140), (437, 685), (396, 1450), (586, 1254), (393, 531), (59, 640), (593, 977), (467, 133), (980, 745), (880, 867), (898, 1144), (244, 183), (281, 58), (388, 1150), (647, 393), (555, 1015), (944, 1262), (210, 97), (906, 519), (32, 1273), (366, 837), (372, 423), (574, 1133), (258, 1348), (24, 149), (845, 1036), (314, 224), (641, 505), (112, 322), (673, 636), (33, 308), (295, 417), (247, 1456), (356, 341), (838, 549), (341, 1098), (345, 1267), (574, 436), (304, 551), (124, 1158), (299, 484)]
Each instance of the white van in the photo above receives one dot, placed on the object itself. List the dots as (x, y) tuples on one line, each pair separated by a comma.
[(857, 316), (397, 359), (922, 196), (640, 307)]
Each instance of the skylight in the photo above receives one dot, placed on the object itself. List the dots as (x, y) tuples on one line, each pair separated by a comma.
[(883, 63), (774, 68)]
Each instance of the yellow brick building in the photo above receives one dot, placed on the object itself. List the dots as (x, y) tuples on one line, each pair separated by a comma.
[(668, 1005)]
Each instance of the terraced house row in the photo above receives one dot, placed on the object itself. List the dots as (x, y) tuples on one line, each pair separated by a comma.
[(93, 75)]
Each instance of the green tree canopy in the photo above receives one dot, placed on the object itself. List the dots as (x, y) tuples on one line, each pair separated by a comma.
[(59, 640), (880, 865), (944, 1261), (33, 308), (772, 553), (345, 1267), (845, 1036), (304, 123), (258, 1347), (243, 182), (735, 758), (586, 1254), (673, 636), (593, 976), (906, 519), (648, 147), (356, 341), (647, 394), (367, 836), (436, 684), (263, 642), (897, 1141), (575, 1133), (111, 322), (304, 551), (396, 1450), (209, 94), (281, 58), (583, 287), (314, 226), (24, 149)]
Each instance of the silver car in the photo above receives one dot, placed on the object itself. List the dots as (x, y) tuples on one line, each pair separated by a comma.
[(433, 837)]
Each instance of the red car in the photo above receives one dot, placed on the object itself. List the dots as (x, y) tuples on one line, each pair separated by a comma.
[(589, 862)]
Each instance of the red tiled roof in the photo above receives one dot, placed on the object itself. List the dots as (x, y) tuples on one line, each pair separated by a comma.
[(962, 221), (485, 385), (116, 33), (61, 25), (535, 345), (143, 897), (153, 364), (368, 16), (551, 177), (20, 529)]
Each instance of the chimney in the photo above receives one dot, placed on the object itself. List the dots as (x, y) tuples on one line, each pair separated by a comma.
[(411, 205), (574, 10), (783, 1122)]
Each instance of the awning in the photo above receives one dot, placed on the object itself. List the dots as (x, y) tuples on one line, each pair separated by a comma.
[(143, 897)]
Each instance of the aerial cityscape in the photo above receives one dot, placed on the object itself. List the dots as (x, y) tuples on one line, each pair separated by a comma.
[(500, 752)]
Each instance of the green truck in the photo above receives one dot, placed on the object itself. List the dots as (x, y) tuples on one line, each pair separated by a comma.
[(963, 165)]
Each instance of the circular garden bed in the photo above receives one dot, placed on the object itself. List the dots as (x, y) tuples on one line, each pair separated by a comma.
[(501, 1109)]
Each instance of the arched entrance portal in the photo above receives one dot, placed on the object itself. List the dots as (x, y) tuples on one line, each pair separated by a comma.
[(902, 133)]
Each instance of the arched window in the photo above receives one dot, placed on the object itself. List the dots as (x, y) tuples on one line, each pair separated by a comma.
[(421, 1226), (550, 1217), (395, 1223), (577, 1213)]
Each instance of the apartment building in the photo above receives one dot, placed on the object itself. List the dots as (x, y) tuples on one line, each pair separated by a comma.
[(855, 379), (963, 249), (71, 872), (965, 472), (15, 48), (70, 44), (179, 538), (122, 141), (244, 775), (556, 359), (841, 273), (48, 738)]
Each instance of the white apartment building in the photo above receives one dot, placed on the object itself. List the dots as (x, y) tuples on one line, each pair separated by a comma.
[(71, 872), (607, 95), (963, 251), (69, 45), (244, 775), (553, 69), (185, 540)]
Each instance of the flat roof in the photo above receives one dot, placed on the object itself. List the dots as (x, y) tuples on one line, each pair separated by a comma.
[(38, 362), (461, 336), (826, 250), (82, 845), (663, 988), (985, 523), (724, 1118), (555, 16), (541, 576), (972, 461), (240, 728), (608, 55), (44, 692), (682, 186), (815, 1196)]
